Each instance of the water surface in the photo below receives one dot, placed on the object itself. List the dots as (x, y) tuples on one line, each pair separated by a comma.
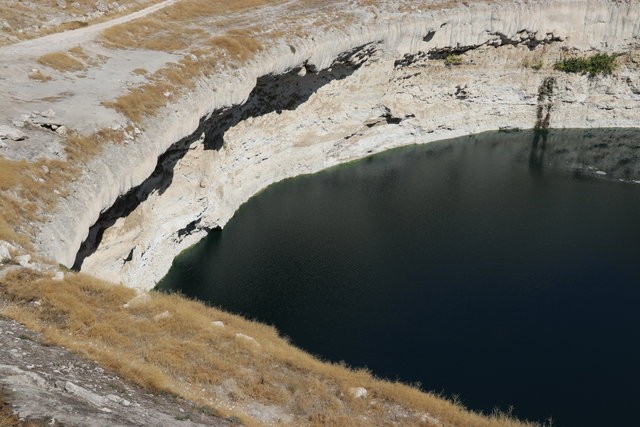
[(500, 268)]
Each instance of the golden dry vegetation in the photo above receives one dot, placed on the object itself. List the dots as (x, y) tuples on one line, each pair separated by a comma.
[(30, 189), (178, 29), (61, 61), (167, 342), (40, 76), (7, 419)]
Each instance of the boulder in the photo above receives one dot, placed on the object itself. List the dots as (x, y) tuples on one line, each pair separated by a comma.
[(101, 6), (48, 114), (247, 339), (5, 255), (84, 394), (358, 392), (140, 299), (23, 260), (62, 4), (8, 132)]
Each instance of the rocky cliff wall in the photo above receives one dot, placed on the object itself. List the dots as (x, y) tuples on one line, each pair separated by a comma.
[(335, 97)]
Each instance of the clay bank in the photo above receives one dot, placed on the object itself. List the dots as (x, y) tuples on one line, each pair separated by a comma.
[(168, 153)]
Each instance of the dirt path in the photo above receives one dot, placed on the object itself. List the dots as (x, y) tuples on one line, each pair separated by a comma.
[(71, 38)]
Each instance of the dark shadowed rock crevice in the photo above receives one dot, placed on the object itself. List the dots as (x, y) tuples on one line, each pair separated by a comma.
[(530, 39), (272, 93)]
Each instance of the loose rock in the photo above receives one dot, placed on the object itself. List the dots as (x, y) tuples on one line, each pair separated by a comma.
[(7, 132), (101, 6), (23, 260), (5, 255), (247, 339), (141, 299), (358, 392)]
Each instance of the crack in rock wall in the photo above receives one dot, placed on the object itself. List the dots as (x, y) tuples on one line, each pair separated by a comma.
[(272, 93)]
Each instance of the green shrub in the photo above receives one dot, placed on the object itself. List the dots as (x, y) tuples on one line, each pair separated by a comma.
[(454, 59), (600, 63)]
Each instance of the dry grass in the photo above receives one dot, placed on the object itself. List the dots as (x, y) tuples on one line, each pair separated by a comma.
[(168, 83), (26, 189), (175, 29), (183, 353), (61, 61), (7, 418), (29, 190), (40, 76), (180, 29)]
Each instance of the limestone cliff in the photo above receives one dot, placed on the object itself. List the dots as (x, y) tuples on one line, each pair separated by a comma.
[(384, 80)]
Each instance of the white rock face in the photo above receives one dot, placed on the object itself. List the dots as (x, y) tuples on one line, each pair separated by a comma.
[(23, 260), (345, 119), (358, 392), (5, 255)]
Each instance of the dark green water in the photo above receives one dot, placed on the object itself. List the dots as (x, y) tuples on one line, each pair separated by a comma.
[(501, 268)]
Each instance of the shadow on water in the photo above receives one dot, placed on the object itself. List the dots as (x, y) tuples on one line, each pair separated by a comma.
[(479, 267), (272, 93)]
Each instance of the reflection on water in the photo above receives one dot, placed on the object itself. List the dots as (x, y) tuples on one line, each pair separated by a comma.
[(502, 268)]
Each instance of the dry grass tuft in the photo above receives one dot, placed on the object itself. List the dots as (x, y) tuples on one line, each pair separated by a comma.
[(40, 76), (61, 61), (167, 342), (147, 33)]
